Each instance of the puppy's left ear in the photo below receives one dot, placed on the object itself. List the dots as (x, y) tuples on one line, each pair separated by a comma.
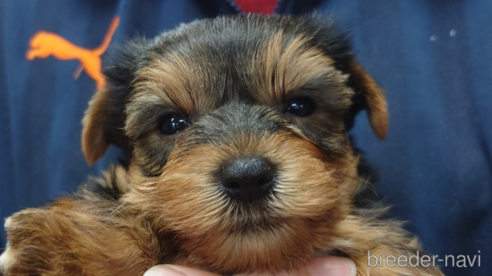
[(370, 96), (105, 117), (103, 123)]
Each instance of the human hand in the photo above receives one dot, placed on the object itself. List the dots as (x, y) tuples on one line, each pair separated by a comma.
[(326, 266)]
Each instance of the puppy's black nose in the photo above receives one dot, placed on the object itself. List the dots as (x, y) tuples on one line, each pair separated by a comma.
[(247, 179)]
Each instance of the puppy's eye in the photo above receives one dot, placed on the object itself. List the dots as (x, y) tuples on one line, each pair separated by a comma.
[(172, 124), (301, 107)]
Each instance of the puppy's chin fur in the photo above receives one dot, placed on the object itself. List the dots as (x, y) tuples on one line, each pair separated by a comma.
[(278, 88)]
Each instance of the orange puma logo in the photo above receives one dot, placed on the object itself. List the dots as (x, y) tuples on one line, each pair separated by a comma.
[(44, 44)]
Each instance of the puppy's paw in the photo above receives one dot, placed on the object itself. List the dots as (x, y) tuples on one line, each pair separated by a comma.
[(30, 239), (7, 256)]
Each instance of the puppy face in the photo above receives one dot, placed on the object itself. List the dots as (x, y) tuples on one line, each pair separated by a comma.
[(237, 129)]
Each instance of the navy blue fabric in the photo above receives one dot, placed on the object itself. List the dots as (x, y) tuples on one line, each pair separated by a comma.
[(433, 58)]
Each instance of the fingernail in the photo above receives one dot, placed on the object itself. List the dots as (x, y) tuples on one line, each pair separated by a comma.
[(163, 270), (332, 266)]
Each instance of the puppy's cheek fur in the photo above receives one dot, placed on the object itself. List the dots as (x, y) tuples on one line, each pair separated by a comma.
[(309, 197), (151, 153)]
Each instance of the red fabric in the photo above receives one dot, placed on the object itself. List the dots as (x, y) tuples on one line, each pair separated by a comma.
[(257, 6)]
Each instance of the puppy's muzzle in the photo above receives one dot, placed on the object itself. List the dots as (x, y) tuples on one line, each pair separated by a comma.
[(247, 179)]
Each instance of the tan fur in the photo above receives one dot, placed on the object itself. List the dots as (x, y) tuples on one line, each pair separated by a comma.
[(291, 64), (178, 81)]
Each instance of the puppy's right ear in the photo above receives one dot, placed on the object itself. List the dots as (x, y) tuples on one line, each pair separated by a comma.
[(104, 119), (369, 96)]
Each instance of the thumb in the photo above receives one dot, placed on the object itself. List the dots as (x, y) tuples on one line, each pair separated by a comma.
[(331, 265)]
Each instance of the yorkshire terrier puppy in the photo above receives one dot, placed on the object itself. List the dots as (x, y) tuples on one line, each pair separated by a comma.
[(240, 159)]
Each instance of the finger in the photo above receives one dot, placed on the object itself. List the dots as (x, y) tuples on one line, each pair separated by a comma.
[(326, 266), (336, 266), (176, 270)]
